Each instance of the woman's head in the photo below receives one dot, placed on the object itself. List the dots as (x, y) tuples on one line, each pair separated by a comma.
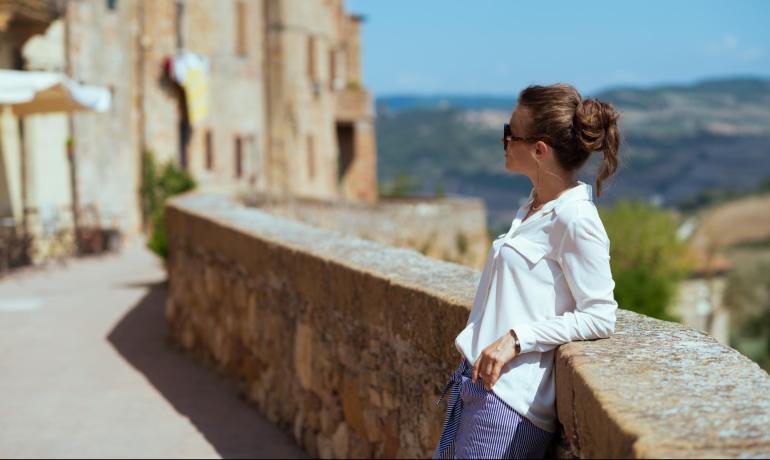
[(562, 129)]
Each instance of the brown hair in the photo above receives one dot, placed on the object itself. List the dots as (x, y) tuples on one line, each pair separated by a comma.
[(574, 127)]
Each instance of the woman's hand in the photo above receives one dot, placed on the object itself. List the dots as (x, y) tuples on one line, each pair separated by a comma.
[(492, 360)]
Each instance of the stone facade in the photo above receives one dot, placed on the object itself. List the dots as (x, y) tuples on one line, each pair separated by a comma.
[(699, 304), (347, 343), (321, 130), (287, 114), (99, 50)]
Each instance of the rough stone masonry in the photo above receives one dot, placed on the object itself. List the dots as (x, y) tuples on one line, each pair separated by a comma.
[(347, 343)]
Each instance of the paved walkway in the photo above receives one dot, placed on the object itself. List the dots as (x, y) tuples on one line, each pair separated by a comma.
[(85, 371)]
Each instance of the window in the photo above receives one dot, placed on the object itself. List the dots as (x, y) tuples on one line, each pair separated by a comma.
[(310, 157), (185, 134), (240, 28), (209, 150), (111, 4), (311, 58), (332, 68), (179, 13), (238, 157), (346, 142)]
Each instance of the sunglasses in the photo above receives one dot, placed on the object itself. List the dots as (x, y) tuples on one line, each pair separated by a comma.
[(509, 137)]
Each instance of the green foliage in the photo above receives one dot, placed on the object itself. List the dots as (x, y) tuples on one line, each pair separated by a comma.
[(764, 185), (747, 298), (494, 231), (148, 187), (439, 191), (462, 243), (157, 242), (646, 257), (401, 185), (762, 243), (157, 185), (643, 290)]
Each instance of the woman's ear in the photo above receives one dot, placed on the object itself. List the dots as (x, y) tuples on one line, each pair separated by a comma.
[(541, 148)]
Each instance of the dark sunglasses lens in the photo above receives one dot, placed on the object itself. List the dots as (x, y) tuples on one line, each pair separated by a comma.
[(506, 133)]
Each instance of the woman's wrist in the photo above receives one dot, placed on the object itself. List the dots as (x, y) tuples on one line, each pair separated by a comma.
[(516, 341)]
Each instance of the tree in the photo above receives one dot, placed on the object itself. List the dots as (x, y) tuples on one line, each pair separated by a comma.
[(646, 257)]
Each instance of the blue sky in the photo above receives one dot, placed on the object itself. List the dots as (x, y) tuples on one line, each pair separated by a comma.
[(499, 47)]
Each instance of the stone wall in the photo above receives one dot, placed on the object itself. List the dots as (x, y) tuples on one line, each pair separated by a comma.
[(429, 225), (347, 344)]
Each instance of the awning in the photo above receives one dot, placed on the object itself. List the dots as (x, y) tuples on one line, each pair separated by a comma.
[(29, 92)]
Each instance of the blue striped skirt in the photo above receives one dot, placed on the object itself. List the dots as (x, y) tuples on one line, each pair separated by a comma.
[(479, 424)]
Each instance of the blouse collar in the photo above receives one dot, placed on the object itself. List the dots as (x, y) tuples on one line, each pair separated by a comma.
[(582, 191)]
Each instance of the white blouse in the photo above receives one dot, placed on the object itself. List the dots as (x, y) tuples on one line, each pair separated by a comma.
[(549, 280)]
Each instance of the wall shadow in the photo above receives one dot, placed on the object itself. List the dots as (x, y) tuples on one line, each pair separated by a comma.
[(229, 423)]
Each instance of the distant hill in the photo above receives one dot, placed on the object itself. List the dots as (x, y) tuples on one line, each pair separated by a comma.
[(722, 106), (681, 143), (393, 104)]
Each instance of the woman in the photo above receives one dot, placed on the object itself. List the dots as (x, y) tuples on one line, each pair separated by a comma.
[(547, 281)]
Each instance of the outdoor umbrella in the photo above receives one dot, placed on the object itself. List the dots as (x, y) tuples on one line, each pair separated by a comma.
[(29, 92)]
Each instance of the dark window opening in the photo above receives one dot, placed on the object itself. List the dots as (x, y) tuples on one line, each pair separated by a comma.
[(185, 129), (310, 157), (185, 133), (18, 59), (179, 12), (345, 138), (209, 150), (240, 28), (311, 58), (238, 157)]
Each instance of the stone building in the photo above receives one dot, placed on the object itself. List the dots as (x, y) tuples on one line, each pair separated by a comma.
[(34, 182), (276, 105), (699, 298)]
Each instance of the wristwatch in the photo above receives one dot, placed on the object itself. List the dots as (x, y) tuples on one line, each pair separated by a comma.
[(516, 340)]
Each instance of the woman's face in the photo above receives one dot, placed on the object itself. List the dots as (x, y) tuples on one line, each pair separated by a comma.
[(519, 154)]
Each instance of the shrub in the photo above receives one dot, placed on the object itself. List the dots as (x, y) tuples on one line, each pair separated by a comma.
[(157, 185)]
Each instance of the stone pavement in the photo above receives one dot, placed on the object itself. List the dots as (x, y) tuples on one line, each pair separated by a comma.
[(85, 371)]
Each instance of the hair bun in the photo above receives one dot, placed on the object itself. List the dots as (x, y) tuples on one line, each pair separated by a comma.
[(594, 124)]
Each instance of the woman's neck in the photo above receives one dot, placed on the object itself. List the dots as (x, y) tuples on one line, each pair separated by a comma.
[(548, 192)]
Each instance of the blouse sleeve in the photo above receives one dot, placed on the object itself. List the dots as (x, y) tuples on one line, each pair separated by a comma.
[(585, 261)]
